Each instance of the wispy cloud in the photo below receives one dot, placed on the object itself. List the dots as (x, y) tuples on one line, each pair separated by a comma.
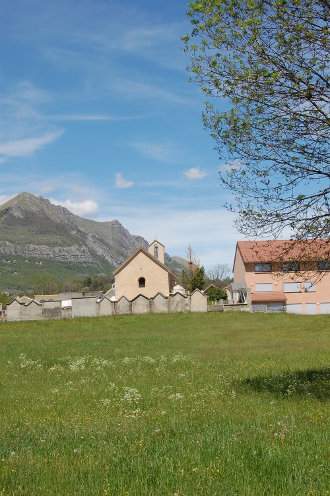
[(195, 173), (81, 117), (162, 152), (27, 146), (137, 90), (86, 207), (92, 117), (122, 183)]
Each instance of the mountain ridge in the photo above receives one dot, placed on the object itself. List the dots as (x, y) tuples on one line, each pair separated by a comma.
[(31, 227)]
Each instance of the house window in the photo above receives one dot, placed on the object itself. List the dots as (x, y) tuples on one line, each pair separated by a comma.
[(290, 266), (323, 265), (309, 286), (156, 251), (292, 287), (263, 267), (264, 287), (142, 282)]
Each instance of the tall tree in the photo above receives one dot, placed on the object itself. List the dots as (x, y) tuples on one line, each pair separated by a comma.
[(219, 275), (267, 63), (193, 277)]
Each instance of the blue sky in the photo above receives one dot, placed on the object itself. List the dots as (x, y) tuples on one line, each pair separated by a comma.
[(97, 114)]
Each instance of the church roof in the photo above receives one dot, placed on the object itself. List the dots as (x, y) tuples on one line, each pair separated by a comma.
[(147, 254), (156, 241)]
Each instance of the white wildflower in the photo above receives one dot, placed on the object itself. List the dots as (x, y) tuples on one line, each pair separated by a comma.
[(131, 395), (176, 396), (148, 359)]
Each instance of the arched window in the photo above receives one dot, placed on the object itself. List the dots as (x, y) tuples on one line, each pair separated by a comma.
[(142, 282), (156, 251)]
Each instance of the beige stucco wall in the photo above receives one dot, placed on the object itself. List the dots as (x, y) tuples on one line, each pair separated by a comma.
[(161, 251), (127, 284)]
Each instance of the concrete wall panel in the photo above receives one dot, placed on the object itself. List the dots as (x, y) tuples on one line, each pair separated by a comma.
[(178, 303), (198, 302), (33, 311), (141, 304), (159, 304), (14, 311), (51, 310), (84, 307), (105, 307), (123, 306)]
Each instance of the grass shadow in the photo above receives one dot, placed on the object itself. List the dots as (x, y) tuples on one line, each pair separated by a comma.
[(313, 383)]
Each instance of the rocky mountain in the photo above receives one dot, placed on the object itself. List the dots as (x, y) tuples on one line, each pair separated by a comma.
[(37, 236)]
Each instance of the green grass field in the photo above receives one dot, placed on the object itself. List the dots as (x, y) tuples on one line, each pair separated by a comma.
[(209, 404)]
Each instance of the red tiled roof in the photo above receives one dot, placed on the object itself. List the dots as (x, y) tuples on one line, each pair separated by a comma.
[(279, 250), (268, 296)]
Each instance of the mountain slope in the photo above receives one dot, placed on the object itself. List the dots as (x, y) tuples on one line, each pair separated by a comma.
[(41, 235)]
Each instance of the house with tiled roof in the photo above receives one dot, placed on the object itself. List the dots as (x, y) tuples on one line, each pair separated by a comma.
[(145, 273), (285, 274)]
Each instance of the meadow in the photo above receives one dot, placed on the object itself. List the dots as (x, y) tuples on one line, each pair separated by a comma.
[(186, 404)]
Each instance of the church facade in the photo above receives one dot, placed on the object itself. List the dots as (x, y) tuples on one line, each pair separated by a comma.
[(145, 273)]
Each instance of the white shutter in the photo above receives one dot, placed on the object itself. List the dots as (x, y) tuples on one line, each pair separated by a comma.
[(291, 287), (310, 309), (309, 286), (324, 307), (296, 308), (264, 287)]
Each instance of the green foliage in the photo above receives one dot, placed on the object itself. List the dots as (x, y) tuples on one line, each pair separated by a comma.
[(98, 283), (193, 278), (267, 61), (197, 279), (216, 294), (45, 284), (17, 273), (196, 405), (4, 299)]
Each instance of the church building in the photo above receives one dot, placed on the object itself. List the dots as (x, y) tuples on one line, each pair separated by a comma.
[(145, 273)]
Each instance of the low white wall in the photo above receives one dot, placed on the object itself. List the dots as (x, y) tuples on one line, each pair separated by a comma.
[(90, 307)]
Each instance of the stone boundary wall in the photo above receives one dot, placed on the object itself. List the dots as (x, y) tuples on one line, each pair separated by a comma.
[(94, 307), (237, 307)]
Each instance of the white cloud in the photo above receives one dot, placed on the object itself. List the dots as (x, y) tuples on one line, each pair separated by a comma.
[(94, 117), (131, 89), (81, 117), (122, 183), (27, 146), (86, 207), (162, 152), (210, 232), (195, 173)]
